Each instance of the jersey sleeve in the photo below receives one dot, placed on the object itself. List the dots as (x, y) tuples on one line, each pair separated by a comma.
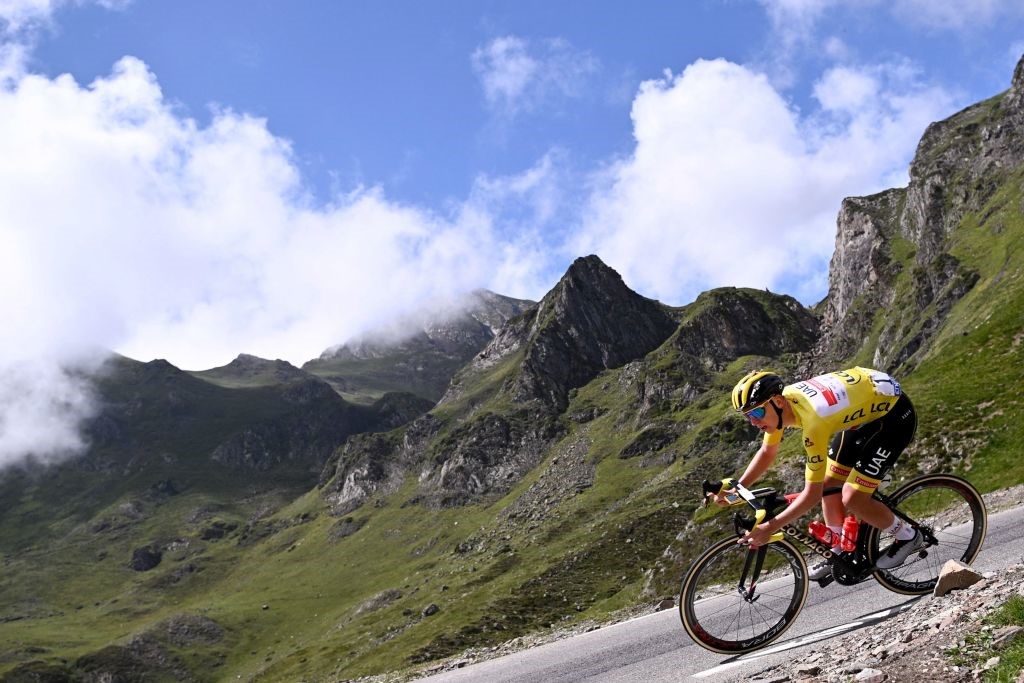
[(772, 438)]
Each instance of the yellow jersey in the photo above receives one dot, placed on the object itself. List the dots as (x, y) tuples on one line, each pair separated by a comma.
[(827, 404)]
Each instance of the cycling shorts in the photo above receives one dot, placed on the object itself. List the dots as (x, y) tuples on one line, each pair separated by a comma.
[(862, 456)]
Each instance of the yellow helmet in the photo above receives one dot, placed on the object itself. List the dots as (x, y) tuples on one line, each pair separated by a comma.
[(754, 389)]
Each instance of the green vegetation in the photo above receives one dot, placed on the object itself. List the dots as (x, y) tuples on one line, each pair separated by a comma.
[(979, 648), (258, 580)]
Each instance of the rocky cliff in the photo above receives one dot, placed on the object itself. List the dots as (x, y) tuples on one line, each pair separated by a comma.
[(959, 165), (588, 322)]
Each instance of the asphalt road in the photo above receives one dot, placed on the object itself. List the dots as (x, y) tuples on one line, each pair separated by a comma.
[(656, 648)]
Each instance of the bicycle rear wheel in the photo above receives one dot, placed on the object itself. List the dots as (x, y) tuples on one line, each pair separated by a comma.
[(721, 612), (948, 508)]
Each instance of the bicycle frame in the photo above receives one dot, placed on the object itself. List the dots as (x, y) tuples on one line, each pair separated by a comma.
[(847, 568)]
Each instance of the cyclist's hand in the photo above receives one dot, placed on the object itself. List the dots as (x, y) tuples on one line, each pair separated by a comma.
[(758, 536), (720, 499), (724, 498)]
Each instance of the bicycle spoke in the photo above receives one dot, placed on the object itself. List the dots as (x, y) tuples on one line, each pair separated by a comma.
[(725, 618), (953, 511)]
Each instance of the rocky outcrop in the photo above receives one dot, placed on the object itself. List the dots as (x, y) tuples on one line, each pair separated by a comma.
[(145, 558), (486, 457), (396, 408), (588, 322), (862, 273), (372, 464), (721, 326), (958, 166), (724, 324), (305, 434)]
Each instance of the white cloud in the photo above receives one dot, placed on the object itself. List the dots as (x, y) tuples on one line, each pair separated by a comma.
[(954, 15), (796, 22), (138, 230), (42, 406), (127, 227), (846, 89), (17, 16), (729, 185), (518, 76)]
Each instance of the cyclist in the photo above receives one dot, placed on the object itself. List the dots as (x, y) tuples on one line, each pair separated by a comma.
[(855, 424)]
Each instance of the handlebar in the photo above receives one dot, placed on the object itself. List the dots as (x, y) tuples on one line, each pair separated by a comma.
[(741, 494)]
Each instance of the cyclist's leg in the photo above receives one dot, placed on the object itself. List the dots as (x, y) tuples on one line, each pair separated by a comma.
[(870, 452), (835, 477)]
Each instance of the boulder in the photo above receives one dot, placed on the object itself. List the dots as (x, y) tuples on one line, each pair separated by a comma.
[(955, 576), (145, 558)]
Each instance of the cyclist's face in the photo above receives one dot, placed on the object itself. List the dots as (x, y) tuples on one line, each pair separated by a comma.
[(766, 420)]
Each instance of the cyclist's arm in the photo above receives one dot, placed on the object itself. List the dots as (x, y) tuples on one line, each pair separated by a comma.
[(801, 505), (759, 464), (807, 499)]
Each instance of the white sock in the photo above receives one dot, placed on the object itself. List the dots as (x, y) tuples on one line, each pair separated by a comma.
[(837, 532), (900, 529)]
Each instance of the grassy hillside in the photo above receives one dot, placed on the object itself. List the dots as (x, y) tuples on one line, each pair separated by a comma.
[(967, 382), (259, 581)]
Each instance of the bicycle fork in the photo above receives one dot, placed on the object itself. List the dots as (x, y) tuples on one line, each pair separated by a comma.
[(752, 566)]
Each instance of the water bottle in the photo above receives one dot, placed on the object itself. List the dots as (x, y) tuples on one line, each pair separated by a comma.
[(849, 539)]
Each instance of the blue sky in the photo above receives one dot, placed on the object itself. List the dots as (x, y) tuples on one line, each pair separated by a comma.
[(191, 180), (388, 94)]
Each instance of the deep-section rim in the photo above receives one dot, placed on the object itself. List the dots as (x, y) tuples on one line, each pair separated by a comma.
[(890, 579), (688, 618)]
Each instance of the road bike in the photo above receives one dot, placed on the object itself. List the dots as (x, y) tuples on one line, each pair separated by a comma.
[(737, 598)]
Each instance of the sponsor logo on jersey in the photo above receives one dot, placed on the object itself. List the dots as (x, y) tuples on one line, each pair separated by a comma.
[(807, 442), (847, 377), (866, 483), (826, 392), (855, 415), (885, 385)]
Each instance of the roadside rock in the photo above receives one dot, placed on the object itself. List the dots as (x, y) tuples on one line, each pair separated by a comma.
[(955, 576)]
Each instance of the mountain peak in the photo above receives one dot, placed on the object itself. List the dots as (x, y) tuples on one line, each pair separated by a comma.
[(588, 322), (249, 370)]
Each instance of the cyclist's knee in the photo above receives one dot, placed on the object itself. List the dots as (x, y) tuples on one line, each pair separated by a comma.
[(855, 498)]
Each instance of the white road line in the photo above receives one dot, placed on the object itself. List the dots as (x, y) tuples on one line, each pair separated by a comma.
[(808, 639)]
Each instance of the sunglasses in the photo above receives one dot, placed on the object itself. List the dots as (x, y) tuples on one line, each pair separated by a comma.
[(759, 412)]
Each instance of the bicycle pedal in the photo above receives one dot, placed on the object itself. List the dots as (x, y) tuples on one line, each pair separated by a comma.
[(825, 581)]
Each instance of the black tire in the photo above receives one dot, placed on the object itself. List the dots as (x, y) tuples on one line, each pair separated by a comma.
[(718, 617), (953, 511)]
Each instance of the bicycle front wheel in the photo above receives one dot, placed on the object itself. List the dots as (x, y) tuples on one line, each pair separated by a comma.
[(952, 512), (723, 612)]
